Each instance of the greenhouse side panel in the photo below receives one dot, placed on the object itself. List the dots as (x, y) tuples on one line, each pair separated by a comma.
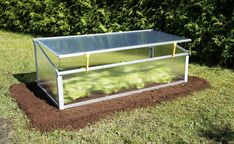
[(46, 73), (103, 84)]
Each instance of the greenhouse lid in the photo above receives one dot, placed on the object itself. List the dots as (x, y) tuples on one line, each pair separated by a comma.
[(69, 46)]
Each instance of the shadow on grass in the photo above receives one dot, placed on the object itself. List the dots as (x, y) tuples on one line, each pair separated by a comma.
[(222, 134), (25, 77)]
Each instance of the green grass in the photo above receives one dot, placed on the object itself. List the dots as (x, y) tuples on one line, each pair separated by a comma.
[(202, 117)]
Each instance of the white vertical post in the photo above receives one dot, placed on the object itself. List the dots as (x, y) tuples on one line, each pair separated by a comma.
[(186, 69), (60, 92), (35, 56), (151, 52)]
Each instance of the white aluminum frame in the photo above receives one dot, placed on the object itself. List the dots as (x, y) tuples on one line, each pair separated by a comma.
[(60, 74)]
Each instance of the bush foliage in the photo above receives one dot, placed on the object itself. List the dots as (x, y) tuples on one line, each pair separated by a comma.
[(209, 23)]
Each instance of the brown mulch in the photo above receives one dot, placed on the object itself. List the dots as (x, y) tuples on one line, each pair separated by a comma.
[(45, 116)]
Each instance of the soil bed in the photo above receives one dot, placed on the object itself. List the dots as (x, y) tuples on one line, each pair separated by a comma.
[(45, 116)]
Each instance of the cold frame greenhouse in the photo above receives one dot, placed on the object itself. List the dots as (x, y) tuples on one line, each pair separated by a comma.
[(83, 69)]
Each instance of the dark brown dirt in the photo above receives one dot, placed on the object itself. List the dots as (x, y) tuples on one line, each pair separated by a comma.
[(45, 116)]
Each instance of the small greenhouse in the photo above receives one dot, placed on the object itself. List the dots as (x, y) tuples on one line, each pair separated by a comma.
[(79, 70)]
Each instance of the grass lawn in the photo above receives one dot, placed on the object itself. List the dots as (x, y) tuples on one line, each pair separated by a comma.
[(202, 117)]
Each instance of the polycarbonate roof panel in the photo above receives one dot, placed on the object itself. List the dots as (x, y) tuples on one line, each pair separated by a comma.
[(75, 45)]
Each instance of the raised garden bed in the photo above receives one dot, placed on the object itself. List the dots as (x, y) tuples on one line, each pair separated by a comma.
[(45, 116)]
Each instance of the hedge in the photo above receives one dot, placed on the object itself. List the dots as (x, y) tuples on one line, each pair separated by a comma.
[(209, 23)]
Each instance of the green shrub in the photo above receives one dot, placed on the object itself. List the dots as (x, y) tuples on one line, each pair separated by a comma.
[(209, 23)]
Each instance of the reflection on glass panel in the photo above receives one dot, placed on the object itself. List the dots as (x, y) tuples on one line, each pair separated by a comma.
[(116, 57), (104, 58), (54, 59), (72, 62), (85, 43), (119, 56), (108, 81), (164, 50), (46, 74)]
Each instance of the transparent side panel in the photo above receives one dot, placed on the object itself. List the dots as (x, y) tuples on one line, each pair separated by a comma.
[(164, 50), (72, 62), (117, 56), (104, 58), (54, 59), (99, 83), (46, 74)]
